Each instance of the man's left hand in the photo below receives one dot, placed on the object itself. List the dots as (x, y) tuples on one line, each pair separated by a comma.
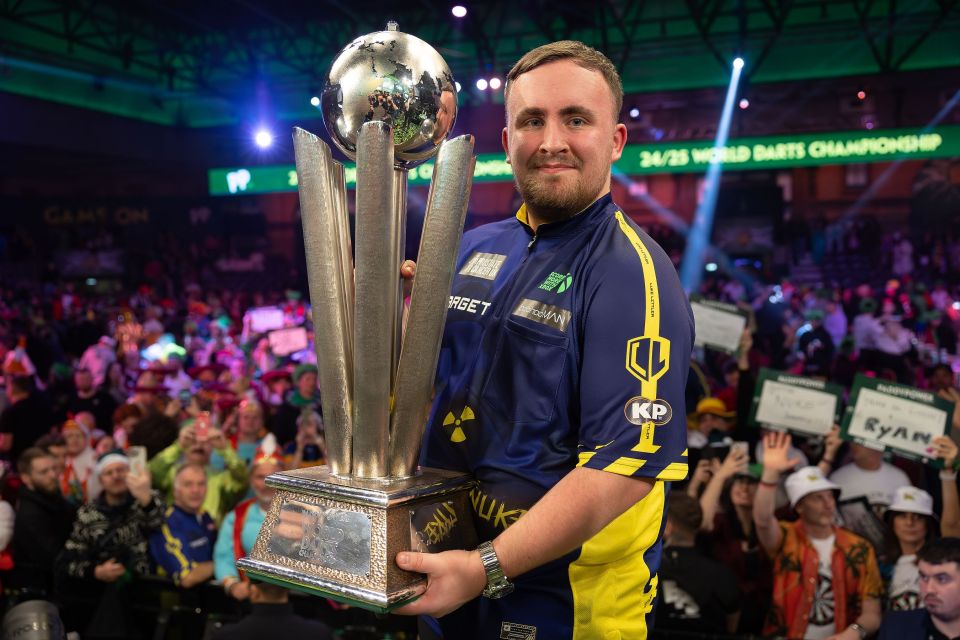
[(453, 579)]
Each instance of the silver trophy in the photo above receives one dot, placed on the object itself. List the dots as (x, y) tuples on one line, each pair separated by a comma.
[(389, 102)]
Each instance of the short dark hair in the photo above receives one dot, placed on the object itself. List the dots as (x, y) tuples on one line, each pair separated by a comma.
[(940, 551), (51, 440), (581, 55), (943, 366), (25, 461), (684, 512)]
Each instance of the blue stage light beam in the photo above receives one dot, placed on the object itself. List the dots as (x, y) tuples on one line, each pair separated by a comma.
[(691, 269)]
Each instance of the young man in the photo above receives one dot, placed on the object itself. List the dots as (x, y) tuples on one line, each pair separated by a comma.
[(43, 522), (826, 582), (698, 592), (183, 547), (939, 566), (564, 362)]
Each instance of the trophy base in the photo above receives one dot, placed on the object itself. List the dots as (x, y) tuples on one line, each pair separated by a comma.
[(338, 536)]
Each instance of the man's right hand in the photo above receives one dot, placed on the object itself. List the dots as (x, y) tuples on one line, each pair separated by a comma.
[(735, 462), (239, 590), (109, 571), (407, 271), (776, 449)]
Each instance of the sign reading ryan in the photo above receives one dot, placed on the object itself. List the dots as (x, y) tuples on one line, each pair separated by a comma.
[(896, 417)]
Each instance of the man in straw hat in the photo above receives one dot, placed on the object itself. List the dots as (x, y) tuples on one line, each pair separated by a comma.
[(826, 582)]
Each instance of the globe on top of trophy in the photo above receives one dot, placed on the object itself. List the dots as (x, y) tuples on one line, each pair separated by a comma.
[(393, 77)]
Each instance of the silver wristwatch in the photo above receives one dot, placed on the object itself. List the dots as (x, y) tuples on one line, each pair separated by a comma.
[(497, 583), (860, 630)]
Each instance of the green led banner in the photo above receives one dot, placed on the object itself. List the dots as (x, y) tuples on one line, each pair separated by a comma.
[(770, 152)]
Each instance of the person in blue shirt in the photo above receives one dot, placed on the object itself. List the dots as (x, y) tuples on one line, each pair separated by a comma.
[(560, 382), (183, 548), (939, 619)]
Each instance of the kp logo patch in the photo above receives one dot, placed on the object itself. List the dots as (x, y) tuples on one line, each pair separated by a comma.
[(639, 411), (648, 358)]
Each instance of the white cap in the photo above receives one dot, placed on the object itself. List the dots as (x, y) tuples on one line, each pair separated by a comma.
[(110, 459), (806, 481), (912, 500)]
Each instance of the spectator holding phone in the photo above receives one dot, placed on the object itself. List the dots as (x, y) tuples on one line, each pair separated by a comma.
[(109, 542), (196, 443), (730, 535)]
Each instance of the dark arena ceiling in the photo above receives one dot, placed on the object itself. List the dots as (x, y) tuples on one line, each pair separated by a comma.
[(212, 63)]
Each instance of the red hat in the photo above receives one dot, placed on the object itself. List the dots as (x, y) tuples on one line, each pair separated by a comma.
[(216, 368), (275, 374)]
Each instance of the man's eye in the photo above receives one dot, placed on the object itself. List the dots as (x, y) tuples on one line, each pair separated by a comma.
[(578, 122)]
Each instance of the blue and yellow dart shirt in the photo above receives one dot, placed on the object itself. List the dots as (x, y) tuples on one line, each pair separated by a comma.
[(562, 348)]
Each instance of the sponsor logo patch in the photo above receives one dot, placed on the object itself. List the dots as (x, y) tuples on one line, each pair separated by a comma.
[(514, 631), (543, 313), (559, 281), (640, 410), (470, 305), (648, 358), (483, 265)]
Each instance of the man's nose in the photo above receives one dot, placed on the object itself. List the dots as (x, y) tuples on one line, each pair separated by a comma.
[(554, 140)]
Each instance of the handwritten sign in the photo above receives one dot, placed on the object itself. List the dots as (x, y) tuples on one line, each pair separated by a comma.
[(283, 342), (895, 417), (263, 319), (719, 325), (794, 403)]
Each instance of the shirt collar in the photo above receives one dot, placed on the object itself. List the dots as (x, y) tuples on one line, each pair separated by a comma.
[(562, 227)]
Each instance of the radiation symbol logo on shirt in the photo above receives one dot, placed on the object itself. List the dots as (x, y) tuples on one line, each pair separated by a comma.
[(458, 435)]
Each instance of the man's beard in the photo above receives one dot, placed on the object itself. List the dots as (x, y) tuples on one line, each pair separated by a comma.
[(549, 202)]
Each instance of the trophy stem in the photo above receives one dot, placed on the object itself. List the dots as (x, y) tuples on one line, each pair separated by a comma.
[(376, 280), (324, 216), (400, 211), (436, 262)]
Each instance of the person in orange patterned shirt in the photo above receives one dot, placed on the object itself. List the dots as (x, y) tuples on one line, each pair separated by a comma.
[(826, 582)]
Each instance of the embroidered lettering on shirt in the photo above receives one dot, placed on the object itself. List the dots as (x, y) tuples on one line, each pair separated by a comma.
[(483, 265), (514, 631), (470, 305), (543, 313)]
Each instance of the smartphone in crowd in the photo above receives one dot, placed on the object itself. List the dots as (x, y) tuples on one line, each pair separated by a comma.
[(138, 459), (203, 426)]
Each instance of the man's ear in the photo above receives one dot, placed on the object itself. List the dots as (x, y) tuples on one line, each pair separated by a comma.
[(506, 146)]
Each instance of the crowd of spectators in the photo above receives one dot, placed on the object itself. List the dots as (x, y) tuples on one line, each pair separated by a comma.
[(137, 431)]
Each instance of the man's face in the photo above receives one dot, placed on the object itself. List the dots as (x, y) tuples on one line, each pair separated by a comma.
[(200, 453), (190, 489), (940, 589), (83, 380), (76, 441), (818, 508), (561, 138), (59, 454), (43, 475), (307, 384), (113, 479)]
